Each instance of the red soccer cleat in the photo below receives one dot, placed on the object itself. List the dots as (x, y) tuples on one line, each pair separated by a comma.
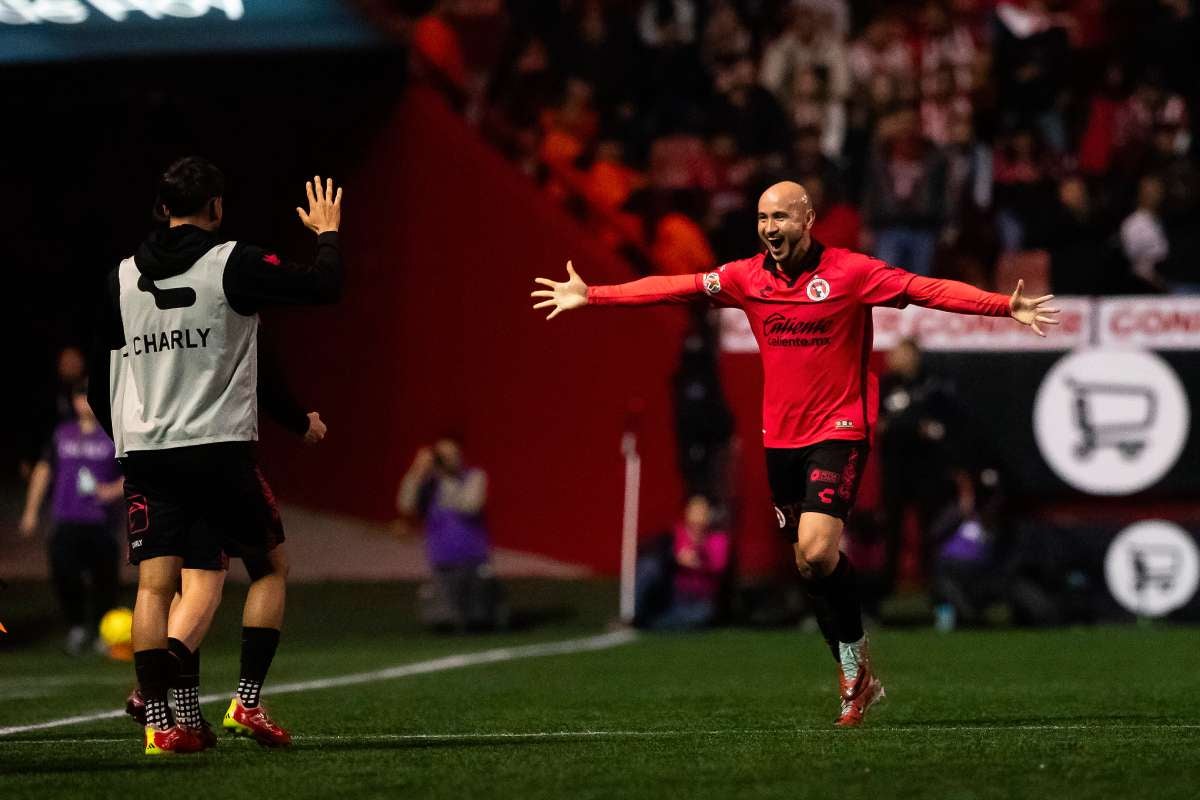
[(135, 707), (865, 692), (176, 739), (204, 733), (255, 723)]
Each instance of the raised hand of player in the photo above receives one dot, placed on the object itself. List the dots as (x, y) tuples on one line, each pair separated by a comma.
[(324, 206), (563, 296), (316, 428), (1032, 311)]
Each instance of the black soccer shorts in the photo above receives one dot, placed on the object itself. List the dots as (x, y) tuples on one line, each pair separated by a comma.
[(821, 477), (204, 504)]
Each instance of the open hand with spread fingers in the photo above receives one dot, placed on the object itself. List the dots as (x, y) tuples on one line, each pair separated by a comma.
[(562, 296), (324, 212), (1032, 311)]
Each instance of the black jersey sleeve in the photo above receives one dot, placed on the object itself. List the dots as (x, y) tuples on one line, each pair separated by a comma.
[(108, 336), (275, 396), (256, 277)]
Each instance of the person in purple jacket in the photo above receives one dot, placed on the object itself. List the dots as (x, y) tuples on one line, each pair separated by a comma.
[(448, 498), (80, 471)]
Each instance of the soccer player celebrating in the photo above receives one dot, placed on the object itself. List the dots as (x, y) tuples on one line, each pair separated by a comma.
[(179, 324), (810, 309)]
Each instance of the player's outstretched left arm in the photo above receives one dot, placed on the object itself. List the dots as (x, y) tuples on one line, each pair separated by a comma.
[(563, 296), (1032, 311)]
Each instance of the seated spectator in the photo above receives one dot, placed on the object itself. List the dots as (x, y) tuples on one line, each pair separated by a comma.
[(1143, 238), (967, 570), (448, 498), (79, 470), (679, 589), (905, 202)]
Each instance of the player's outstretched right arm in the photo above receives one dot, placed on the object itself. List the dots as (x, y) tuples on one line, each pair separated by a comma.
[(574, 293)]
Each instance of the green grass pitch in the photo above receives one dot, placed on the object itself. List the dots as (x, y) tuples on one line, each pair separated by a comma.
[(1087, 713)]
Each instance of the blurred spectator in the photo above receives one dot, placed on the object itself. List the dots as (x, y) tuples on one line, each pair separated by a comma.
[(680, 583), (1077, 241), (906, 194), (571, 127), (726, 36), (880, 52), (448, 498), (602, 48), (968, 571), (1142, 235), (1098, 142), (703, 421), (79, 470), (945, 45), (805, 44), (812, 107), (1024, 191), (838, 223), (70, 369), (943, 107), (435, 43), (664, 23), (748, 111), (1031, 55), (919, 420)]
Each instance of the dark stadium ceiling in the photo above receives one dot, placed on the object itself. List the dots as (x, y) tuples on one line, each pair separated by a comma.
[(69, 30)]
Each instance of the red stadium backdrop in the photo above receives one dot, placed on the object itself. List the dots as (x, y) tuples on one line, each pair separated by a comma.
[(435, 333)]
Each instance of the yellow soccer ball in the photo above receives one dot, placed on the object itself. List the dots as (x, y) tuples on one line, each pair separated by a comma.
[(116, 627)]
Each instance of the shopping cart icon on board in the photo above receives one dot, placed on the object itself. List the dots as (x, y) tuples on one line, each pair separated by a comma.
[(1155, 566), (1114, 415)]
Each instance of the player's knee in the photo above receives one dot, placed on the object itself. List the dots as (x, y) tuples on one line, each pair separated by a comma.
[(816, 560)]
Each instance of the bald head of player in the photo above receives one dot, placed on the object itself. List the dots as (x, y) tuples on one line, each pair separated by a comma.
[(785, 217)]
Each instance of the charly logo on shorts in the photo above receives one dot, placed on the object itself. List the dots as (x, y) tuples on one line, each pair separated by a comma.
[(779, 516), (712, 283), (818, 289)]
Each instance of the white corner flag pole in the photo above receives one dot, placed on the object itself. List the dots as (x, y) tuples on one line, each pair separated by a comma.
[(629, 523)]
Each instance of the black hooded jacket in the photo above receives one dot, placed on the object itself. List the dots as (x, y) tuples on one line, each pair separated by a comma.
[(254, 278)]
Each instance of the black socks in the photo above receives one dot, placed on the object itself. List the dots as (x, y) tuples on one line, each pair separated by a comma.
[(186, 687), (836, 605), (156, 672), (258, 650)]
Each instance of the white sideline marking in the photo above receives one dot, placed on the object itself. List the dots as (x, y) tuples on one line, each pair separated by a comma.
[(666, 734), (497, 655)]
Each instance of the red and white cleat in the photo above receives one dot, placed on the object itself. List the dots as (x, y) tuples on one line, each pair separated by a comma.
[(176, 739), (857, 698), (255, 723)]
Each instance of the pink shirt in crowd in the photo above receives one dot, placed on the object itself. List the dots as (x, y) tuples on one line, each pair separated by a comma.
[(704, 582)]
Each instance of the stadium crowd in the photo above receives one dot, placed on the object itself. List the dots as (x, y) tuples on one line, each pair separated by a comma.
[(960, 138)]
